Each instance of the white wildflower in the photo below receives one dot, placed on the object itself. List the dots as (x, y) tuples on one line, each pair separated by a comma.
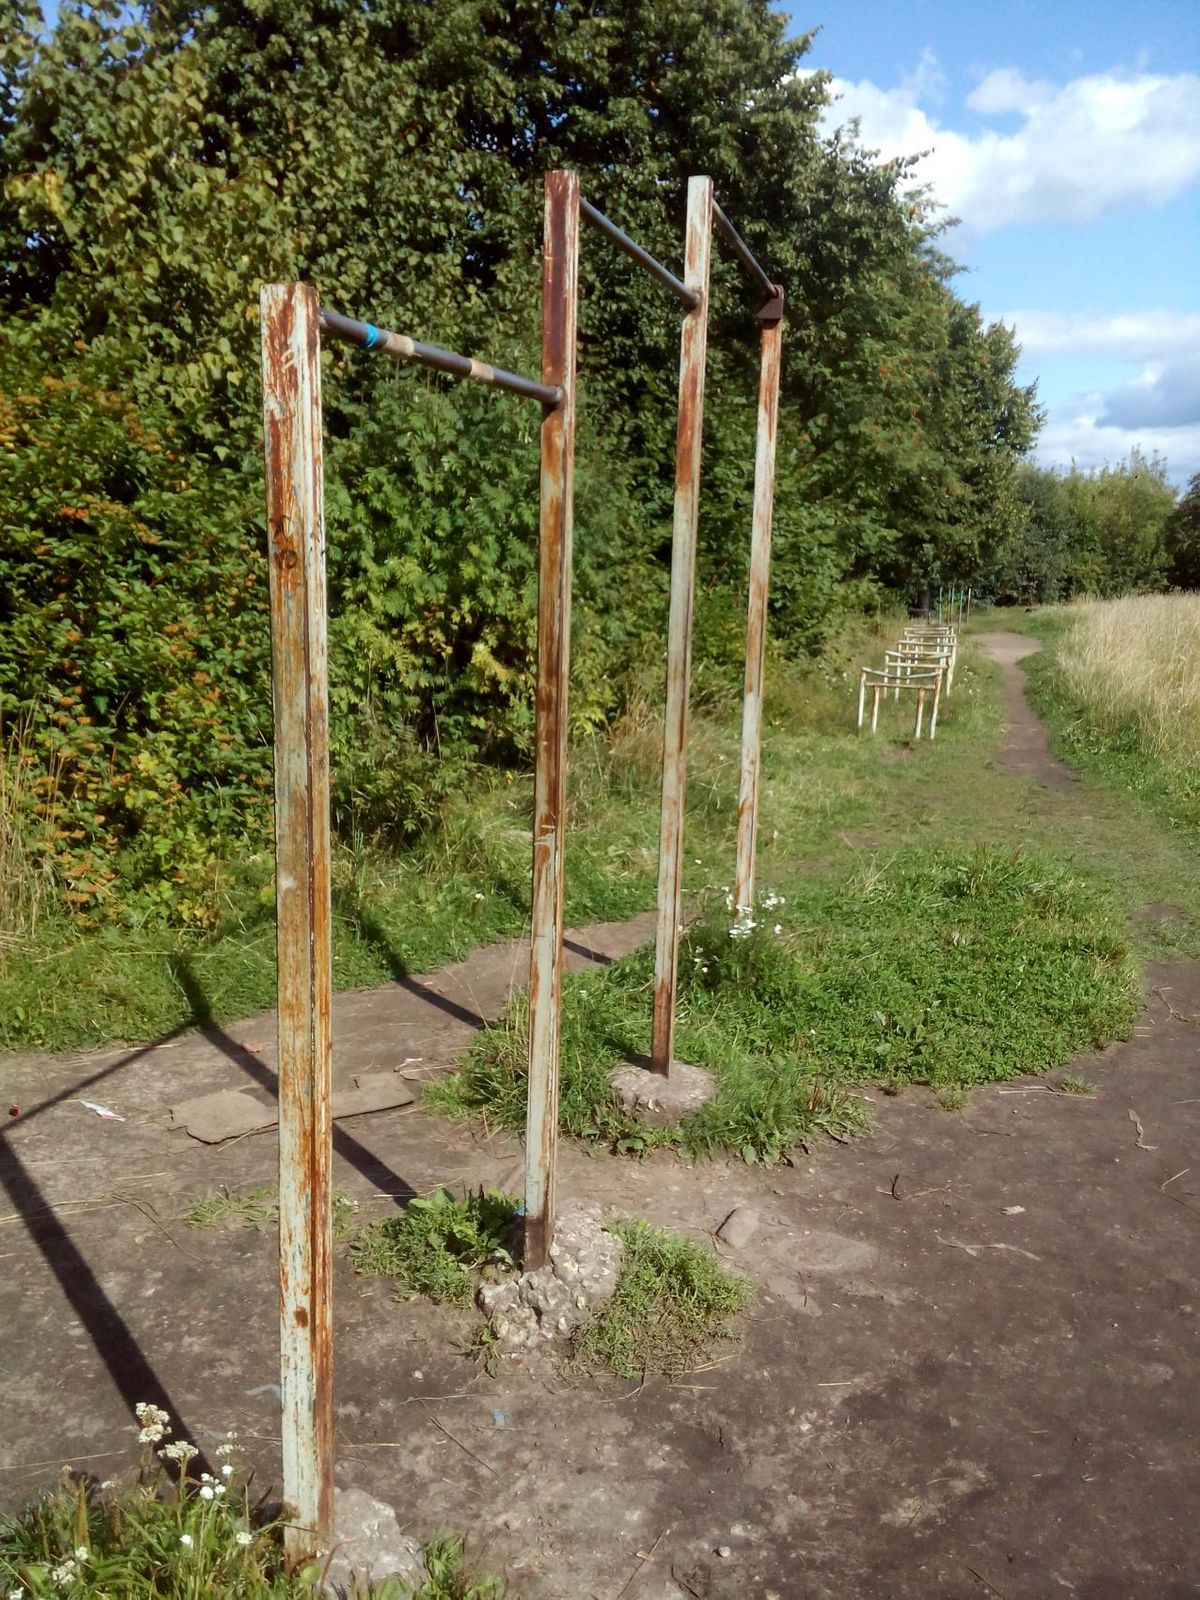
[(179, 1450), (62, 1575), (81, 1552), (16, 1594), (155, 1423), (245, 1538), (185, 1540), (218, 1490), (779, 927), (205, 1492), (227, 1471)]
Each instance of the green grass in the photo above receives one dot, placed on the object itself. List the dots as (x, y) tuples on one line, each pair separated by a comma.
[(186, 1541), (465, 884), (258, 1208), (673, 1307), (438, 1246), (946, 968), (1070, 1084)]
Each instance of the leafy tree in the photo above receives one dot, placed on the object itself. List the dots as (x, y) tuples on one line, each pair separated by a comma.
[(1182, 538), (159, 161)]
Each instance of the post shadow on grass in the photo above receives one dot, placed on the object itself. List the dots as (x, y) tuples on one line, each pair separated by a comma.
[(132, 1374), (375, 936), (351, 1151)]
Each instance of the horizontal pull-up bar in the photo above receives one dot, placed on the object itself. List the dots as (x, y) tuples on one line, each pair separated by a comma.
[(401, 348), (747, 257), (686, 297)]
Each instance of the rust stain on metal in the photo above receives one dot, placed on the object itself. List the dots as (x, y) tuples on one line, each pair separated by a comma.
[(560, 294), (292, 434), (693, 349), (756, 611)]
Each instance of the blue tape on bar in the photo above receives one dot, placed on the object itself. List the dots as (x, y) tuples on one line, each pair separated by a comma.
[(373, 338)]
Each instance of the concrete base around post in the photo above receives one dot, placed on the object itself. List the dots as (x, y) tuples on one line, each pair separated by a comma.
[(370, 1547), (661, 1102), (529, 1311)]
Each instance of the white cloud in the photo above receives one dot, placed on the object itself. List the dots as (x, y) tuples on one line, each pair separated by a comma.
[(1081, 433), (1147, 336), (1082, 150)]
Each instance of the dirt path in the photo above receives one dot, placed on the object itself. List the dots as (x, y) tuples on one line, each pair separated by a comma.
[(971, 1370), (1026, 750)]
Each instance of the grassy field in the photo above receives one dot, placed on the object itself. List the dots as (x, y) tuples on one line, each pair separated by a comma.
[(939, 921), (1120, 688)]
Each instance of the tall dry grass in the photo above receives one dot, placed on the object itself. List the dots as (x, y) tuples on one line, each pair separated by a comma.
[(26, 855), (1134, 665)]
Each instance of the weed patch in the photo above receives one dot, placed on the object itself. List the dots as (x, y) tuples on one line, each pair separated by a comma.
[(438, 1245), (181, 1538), (673, 1307)]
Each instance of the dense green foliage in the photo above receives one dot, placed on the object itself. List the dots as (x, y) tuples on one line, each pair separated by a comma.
[(159, 161), (1110, 532), (1182, 536)]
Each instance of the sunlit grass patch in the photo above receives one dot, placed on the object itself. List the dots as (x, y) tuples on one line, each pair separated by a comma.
[(673, 1308), (947, 968), (438, 1245)]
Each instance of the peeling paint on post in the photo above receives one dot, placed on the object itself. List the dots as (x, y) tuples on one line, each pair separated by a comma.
[(291, 356), (697, 254), (560, 293), (756, 611)]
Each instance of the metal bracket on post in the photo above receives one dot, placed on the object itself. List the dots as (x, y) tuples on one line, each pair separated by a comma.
[(697, 256), (771, 317), (560, 294), (291, 358)]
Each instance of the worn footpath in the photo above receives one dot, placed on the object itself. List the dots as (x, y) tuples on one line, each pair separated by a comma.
[(969, 1371)]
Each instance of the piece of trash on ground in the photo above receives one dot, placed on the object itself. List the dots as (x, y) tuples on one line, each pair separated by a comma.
[(102, 1111)]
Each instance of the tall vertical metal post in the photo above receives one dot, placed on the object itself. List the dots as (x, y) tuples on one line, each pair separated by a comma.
[(560, 294), (756, 610), (291, 358), (697, 255)]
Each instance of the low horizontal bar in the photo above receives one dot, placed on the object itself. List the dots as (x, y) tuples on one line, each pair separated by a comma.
[(686, 297), (743, 252), (401, 348)]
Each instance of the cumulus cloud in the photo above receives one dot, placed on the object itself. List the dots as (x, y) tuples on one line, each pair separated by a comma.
[(1146, 336), (1083, 433), (1082, 150), (1162, 397)]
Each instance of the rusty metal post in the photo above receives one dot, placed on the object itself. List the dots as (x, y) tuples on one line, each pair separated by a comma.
[(291, 357), (560, 294), (756, 610), (697, 255)]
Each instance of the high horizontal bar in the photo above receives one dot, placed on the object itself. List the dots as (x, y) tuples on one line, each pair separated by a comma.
[(402, 348), (743, 252), (688, 298)]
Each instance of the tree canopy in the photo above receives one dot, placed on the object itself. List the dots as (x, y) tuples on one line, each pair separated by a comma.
[(159, 161)]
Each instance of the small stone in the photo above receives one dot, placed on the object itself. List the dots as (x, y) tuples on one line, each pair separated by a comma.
[(739, 1227), (724, 1552)]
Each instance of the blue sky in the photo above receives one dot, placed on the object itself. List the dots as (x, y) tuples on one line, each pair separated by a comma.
[(1066, 136)]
